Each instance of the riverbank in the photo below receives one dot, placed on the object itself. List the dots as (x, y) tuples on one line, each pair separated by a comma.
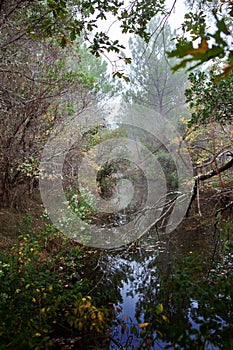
[(171, 290)]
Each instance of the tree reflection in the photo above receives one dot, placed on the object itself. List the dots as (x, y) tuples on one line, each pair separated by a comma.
[(165, 303)]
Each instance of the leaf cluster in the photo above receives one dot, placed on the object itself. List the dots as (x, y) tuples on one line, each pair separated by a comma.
[(200, 42), (68, 20), (208, 99)]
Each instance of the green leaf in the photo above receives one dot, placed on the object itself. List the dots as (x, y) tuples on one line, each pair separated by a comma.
[(127, 79), (72, 35), (159, 309), (128, 60), (222, 27), (181, 49)]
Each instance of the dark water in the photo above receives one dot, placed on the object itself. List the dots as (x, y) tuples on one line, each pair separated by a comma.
[(133, 279)]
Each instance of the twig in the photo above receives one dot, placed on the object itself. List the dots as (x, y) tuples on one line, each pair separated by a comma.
[(221, 210)]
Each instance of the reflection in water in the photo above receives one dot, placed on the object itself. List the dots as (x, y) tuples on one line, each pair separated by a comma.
[(136, 276), (193, 310), (130, 310)]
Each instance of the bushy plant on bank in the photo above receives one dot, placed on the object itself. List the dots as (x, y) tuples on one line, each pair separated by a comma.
[(40, 299)]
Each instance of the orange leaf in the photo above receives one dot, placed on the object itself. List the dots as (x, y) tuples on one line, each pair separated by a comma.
[(203, 48), (142, 325), (226, 71)]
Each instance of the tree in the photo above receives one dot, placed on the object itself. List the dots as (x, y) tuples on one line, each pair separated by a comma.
[(97, 69), (67, 20), (209, 133), (152, 83), (40, 85), (211, 116)]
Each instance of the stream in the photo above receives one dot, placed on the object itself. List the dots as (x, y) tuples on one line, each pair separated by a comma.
[(132, 278)]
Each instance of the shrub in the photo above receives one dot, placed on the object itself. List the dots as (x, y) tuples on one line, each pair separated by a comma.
[(38, 293)]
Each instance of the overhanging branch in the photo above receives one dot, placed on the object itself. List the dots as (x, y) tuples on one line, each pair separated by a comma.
[(207, 176)]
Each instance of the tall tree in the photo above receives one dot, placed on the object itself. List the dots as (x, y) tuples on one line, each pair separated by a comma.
[(70, 19), (211, 109), (151, 81)]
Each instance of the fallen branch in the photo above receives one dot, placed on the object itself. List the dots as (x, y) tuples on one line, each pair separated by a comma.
[(204, 177)]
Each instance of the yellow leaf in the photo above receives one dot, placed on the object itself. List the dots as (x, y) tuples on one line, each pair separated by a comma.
[(160, 334), (203, 48), (93, 316), (88, 305), (142, 325), (126, 317), (159, 309), (165, 318), (100, 316)]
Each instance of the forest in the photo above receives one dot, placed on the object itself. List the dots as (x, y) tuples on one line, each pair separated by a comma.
[(116, 182)]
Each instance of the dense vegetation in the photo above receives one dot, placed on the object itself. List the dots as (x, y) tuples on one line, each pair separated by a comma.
[(55, 293)]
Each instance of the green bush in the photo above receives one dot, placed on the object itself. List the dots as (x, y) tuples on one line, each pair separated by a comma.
[(38, 294)]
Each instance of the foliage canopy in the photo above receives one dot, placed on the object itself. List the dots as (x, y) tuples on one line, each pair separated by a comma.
[(68, 20)]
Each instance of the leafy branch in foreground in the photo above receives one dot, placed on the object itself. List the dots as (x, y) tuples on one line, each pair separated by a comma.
[(202, 42), (68, 20), (207, 98)]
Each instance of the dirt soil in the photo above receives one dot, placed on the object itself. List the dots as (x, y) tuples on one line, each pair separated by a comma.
[(13, 221)]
